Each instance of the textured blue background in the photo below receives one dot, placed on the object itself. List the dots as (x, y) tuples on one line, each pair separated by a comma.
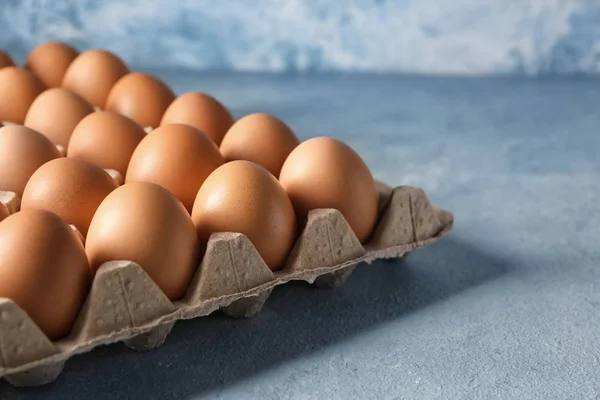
[(506, 307), (418, 36)]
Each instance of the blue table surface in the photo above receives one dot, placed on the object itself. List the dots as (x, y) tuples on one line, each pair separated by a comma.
[(506, 307)]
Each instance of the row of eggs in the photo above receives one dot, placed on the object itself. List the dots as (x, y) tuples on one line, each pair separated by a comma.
[(96, 79), (153, 196)]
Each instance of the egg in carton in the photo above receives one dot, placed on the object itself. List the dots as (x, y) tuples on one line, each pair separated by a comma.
[(124, 304)]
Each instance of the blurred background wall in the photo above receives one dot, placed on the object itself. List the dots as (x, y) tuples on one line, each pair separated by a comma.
[(464, 37)]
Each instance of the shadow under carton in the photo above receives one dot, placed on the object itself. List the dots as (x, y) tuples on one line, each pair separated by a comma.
[(124, 304)]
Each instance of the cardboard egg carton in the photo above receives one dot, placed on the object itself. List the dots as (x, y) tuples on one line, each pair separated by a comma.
[(124, 304)]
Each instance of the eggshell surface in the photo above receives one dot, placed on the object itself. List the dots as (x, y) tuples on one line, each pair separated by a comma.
[(22, 152), (141, 97), (49, 62), (103, 130), (201, 111), (144, 223), (93, 74), (43, 269), (19, 89), (5, 59), (176, 156), (71, 188), (55, 113), (324, 172), (260, 138), (243, 197)]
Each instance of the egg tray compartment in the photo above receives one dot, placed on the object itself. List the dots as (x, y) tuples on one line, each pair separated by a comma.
[(124, 304)]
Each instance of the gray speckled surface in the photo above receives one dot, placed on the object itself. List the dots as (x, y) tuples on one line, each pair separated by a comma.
[(506, 307)]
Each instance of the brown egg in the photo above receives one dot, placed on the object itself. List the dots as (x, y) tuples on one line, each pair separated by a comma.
[(176, 156), (71, 188), (49, 62), (325, 173), (243, 197), (202, 111), (55, 113), (19, 89), (6, 60), (22, 152), (144, 223), (93, 74), (43, 269), (141, 97), (104, 130), (260, 138)]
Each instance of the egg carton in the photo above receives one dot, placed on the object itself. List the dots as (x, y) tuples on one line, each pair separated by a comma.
[(124, 304)]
